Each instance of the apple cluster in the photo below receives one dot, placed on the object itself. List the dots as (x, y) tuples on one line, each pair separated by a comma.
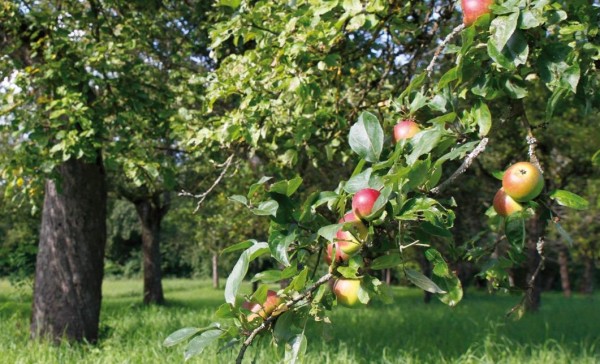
[(521, 182), (350, 238)]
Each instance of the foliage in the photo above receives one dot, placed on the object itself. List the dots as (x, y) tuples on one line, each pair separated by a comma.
[(310, 69)]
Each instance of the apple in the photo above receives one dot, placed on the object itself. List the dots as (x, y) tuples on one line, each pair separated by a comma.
[(346, 292), (363, 201), (265, 309), (351, 239), (347, 243), (504, 204), (473, 9), (405, 129), (523, 181)]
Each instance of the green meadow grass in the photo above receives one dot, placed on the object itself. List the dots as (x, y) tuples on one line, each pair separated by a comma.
[(407, 331)]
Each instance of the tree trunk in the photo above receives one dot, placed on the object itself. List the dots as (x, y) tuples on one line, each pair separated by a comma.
[(563, 263), (587, 284), (215, 270), (151, 214), (388, 276), (69, 268)]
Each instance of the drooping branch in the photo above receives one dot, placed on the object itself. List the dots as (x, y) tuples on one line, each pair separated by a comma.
[(463, 167), (267, 322), (202, 196), (531, 283)]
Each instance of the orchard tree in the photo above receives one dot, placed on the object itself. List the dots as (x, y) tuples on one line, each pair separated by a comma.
[(85, 83), (312, 69)]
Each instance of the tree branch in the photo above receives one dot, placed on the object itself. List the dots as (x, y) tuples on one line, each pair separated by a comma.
[(463, 167), (202, 196), (440, 47), (267, 322)]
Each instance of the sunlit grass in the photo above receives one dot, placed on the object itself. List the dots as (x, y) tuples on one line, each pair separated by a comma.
[(408, 331)]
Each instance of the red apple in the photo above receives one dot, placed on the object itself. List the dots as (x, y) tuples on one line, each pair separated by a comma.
[(363, 201), (265, 309), (504, 204), (473, 9), (346, 291), (405, 129), (523, 181)]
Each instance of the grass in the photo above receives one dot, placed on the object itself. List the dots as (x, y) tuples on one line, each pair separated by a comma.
[(408, 331)]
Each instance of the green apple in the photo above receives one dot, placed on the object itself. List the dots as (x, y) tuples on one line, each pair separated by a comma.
[(346, 292)]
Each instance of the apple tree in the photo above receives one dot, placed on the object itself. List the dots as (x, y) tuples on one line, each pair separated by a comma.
[(317, 79)]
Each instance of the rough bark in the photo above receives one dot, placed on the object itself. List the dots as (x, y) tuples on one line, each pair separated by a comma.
[(150, 214), (563, 263), (215, 269), (70, 262)]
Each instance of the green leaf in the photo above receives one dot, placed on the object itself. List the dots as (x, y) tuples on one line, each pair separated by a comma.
[(239, 199), (181, 335), (328, 232), (423, 143), (386, 261), (502, 28), (596, 158), (483, 116), (421, 281), (366, 137), (266, 208), (569, 199), (440, 267), (359, 181), (234, 281), (299, 281), (279, 244), (453, 287), (564, 234), (295, 349), (239, 246), (234, 4), (284, 329), (514, 227), (199, 343), (286, 187)]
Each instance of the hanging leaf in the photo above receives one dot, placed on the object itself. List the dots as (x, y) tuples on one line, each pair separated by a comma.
[(295, 349), (366, 137), (199, 343), (514, 228), (569, 199), (234, 281), (421, 281)]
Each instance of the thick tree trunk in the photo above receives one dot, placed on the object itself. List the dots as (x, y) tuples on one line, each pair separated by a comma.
[(70, 263), (151, 214), (587, 283), (563, 263), (215, 270)]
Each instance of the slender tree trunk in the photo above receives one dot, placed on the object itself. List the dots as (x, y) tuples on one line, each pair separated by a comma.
[(388, 276), (563, 263), (69, 268), (215, 270), (150, 214), (587, 285), (535, 230)]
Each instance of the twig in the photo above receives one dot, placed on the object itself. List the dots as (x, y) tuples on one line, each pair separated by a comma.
[(202, 196), (440, 47), (531, 140), (463, 167), (267, 322)]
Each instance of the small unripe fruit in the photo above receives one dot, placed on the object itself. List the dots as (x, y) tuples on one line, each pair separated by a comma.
[(523, 181), (504, 204), (405, 129), (264, 310), (363, 201)]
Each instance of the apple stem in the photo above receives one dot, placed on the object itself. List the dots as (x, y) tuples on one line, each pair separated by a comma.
[(267, 322), (463, 167)]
